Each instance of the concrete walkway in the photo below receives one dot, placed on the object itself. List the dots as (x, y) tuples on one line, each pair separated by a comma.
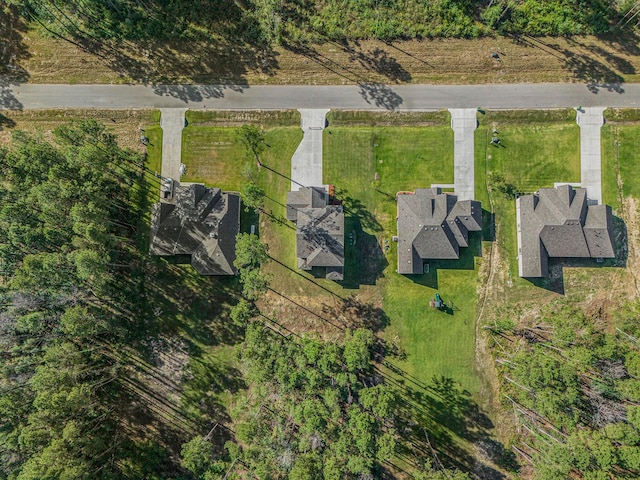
[(172, 121), (590, 121), (306, 163), (463, 123)]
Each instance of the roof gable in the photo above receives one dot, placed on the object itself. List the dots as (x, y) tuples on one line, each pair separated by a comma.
[(202, 223), (433, 225), (561, 220)]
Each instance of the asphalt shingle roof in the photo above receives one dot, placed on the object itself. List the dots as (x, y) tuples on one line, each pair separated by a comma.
[(433, 225), (319, 232), (558, 222), (202, 222)]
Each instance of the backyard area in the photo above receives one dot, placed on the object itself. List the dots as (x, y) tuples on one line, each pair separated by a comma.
[(368, 163), (369, 166), (434, 360)]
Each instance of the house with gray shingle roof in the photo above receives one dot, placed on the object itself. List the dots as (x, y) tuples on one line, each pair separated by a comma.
[(306, 197), (201, 222), (433, 226), (319, 230), (559, 223)]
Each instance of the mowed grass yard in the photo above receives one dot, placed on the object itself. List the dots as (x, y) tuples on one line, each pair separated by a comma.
[(538, 148), (405, 158), (620, 140)]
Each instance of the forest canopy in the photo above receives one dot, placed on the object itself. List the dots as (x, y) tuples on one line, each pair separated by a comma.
[(265, 22)]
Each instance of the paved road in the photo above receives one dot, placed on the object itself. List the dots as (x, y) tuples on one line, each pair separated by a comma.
[(306, 163), (590, 121), (463, 123), (371, 97)]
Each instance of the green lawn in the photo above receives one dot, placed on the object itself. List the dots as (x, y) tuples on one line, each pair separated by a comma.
[(620, 152), (214, 156), (154, 148), (405, 158), (537, 149), (534, 156)]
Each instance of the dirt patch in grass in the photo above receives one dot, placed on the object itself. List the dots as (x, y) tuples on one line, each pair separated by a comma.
[(444, 61)]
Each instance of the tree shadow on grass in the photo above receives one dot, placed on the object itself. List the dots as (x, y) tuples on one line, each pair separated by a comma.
[(356, 209), (377, 60), (216, 45), (5, 122), (596, 73), (465, 262), (435, 416), (13, 51)]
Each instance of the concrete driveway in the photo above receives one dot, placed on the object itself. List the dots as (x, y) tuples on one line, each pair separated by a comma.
[(463, 123), (306, 163), (590, 121), (172, 121)]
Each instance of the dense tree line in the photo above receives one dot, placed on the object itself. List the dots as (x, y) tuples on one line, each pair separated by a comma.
[(574, 384), (265, 22), (314, 409), (66, 236)]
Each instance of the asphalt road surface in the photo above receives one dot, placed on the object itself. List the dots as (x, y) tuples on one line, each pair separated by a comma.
[(362, 97)]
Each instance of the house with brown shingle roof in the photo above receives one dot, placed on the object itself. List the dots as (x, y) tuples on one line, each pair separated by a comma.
[(201, 222), (319, 230), (433, 226), (560, 223)]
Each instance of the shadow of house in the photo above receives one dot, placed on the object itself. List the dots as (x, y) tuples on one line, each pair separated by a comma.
[(365, 259), (319, 231), (202, 223), (466, 261), (432, 227), (559, 223)]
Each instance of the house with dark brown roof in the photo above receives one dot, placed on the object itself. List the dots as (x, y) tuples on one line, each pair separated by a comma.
[(559, 223), (319, 230), (433, 226), (201, 222)]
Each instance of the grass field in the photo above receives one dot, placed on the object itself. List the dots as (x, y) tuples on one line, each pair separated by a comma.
[(531, 156), (214, 155), (125, 124), (43, 59), (620, 154), (369, 165)]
